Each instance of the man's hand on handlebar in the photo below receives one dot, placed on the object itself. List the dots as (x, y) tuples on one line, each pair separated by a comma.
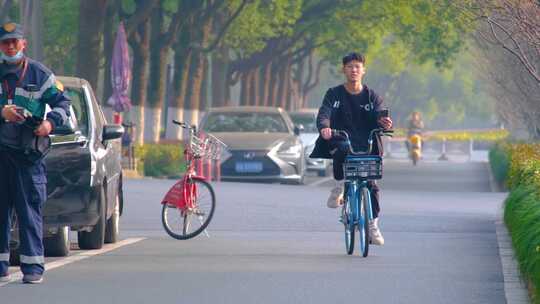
[(385, 122), (326, 133)]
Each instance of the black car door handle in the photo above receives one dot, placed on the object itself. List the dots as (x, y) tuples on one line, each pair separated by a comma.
[(82, 141)]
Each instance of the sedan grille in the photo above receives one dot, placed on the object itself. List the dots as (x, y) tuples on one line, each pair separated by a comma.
[(249, 163)]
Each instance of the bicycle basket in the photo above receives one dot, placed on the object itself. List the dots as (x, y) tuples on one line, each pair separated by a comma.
[(363, 167), (206, 146)]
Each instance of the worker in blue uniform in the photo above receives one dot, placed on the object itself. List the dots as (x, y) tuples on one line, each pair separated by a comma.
[(26, 88)]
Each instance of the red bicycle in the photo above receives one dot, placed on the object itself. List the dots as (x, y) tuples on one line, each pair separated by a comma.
[(189, 205)]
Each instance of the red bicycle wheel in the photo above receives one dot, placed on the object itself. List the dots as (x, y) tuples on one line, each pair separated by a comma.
[(188, 222)]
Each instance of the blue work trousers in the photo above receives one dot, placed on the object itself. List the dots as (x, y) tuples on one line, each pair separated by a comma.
[(23, 190)]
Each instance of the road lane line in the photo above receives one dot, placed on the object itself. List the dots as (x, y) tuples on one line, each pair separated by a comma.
[(321, 181), (17, 276)]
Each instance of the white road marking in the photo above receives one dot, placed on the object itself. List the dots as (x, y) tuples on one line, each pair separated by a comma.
[(17, 276)]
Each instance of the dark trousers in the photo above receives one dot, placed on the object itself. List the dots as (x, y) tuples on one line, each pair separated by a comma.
[(339, 151), (22, 189)]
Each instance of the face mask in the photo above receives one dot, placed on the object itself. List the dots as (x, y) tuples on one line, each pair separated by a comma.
[(13, 59)]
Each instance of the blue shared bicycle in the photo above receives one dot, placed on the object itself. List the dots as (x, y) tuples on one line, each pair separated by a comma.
[(359, 167)]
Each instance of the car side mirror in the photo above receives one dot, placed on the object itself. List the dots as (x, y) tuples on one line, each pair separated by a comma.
[(298, 129), (112, 132)]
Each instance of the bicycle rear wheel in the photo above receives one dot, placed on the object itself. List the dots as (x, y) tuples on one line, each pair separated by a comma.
[(363, 223), (188, 223)]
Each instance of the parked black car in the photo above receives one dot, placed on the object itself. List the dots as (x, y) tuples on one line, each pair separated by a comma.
[(84, 177)]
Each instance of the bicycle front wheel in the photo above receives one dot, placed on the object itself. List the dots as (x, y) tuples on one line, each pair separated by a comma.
[(183, 224), (348, 222), (363, 223)]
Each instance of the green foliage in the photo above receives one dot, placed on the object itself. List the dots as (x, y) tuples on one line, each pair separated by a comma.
[(395, 30), (450, 98), (60, 36), (260, 21), (519, 165), (159, 160), (499, 162), (524, 164), (488, 135), (521, 215)]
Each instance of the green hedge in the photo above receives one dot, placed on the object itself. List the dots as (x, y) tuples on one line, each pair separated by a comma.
[(160, 160), (522, 216), (518, 166), (499, 162)]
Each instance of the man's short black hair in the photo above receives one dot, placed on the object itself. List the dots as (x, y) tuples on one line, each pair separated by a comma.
[(354, 57)]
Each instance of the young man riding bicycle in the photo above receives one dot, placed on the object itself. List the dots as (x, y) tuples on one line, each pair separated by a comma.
[(357, 109)]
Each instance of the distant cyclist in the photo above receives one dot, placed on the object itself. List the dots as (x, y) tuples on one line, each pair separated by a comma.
[(355, 108), (415, 126)]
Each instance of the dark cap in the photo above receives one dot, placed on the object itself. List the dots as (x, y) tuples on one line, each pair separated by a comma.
[(11, 31)]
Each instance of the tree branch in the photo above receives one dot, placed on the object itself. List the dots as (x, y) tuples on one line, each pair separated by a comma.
[(225, 27), (141, 13), (520, 56)]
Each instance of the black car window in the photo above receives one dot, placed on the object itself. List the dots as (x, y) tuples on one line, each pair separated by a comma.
[(246, 122), (78, 104), (305, 119)]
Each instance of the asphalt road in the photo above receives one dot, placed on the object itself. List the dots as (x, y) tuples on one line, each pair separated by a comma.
[(274, 243)]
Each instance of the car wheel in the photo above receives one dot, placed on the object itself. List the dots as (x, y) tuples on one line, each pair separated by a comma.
[(95, 238), (57, 245), (113, 223)]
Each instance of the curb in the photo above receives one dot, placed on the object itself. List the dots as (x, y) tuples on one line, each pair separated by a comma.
[(515, 290)]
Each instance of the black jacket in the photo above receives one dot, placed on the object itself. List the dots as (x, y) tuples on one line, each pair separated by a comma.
[(336, 113)]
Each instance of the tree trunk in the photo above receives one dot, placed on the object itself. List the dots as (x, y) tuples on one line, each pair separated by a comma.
[(283, 86), (141, 54), (182, 64), (265, 83), (220, 63), (274, 88), (108, 46), (297, 92), (91, 21), (205, 104), (244, 89), (255, 87), (158, 76), (31, 12), (197, 77), (5, 7)]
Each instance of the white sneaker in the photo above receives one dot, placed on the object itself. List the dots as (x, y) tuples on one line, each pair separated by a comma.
[(336, 196), (376, 237), (5, 278)]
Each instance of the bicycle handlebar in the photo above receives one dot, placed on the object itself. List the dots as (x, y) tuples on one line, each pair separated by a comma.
[(345, 135), (182, 124)]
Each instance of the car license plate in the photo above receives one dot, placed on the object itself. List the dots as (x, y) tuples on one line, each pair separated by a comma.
[(249, 167)]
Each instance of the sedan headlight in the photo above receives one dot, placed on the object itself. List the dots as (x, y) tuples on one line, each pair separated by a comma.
[(309, 149), (287, 149)]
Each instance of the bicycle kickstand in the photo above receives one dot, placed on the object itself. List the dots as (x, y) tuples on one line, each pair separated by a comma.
[(205, 230)]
